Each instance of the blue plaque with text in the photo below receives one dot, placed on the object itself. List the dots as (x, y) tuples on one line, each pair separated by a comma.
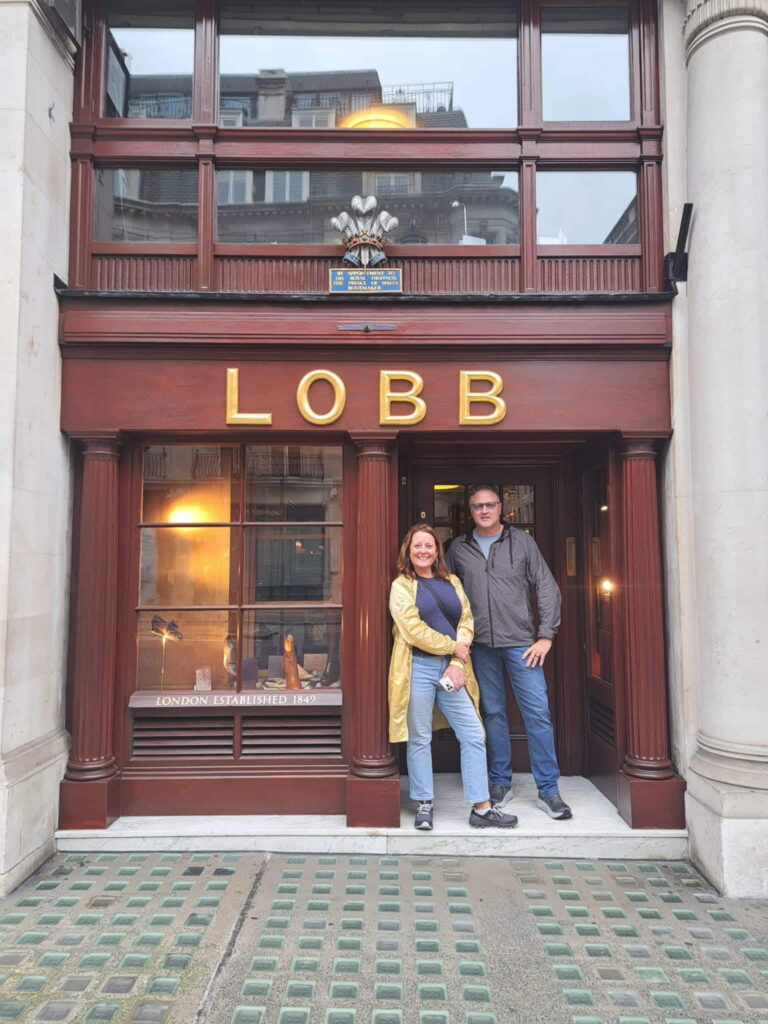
[(357, 282)]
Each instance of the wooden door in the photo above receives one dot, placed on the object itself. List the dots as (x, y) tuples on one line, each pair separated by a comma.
[(442, 500)]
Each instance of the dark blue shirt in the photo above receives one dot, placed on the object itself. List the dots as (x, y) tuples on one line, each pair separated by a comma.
[(431, 612)]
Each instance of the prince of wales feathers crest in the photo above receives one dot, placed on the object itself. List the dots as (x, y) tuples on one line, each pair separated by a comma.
[(365, 233)]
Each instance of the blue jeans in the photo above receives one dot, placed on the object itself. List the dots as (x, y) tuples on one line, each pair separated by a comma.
[(460, 712), (530, 690)]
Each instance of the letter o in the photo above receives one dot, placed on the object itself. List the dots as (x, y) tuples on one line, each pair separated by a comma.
[(339, 397)]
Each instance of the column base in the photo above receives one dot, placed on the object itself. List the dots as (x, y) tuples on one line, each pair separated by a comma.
[(89, 804), (728, 829), (373, 803), (652, 803)]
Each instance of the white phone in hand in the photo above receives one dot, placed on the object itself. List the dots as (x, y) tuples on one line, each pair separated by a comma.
[(446, 683)]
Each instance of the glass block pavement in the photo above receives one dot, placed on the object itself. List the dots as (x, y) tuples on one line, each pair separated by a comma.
[(253, 939)]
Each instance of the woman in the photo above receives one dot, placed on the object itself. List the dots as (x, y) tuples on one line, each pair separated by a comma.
[(433, 631)]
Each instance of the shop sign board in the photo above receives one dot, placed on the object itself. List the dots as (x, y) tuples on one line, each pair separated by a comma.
[(365, 282)]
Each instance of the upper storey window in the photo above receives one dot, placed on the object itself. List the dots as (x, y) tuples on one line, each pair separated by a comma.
[(365, 65), (585, 63), (150, 59)]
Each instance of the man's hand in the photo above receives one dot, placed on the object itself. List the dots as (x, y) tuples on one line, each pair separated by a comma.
[(461, 651), (456, 675), (537, 652)]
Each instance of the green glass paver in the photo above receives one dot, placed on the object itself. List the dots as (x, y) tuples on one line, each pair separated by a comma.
[(248, 1015), (324, 890), (142, 901), (344, 990), (577, 911), (637, 897), (300, 990), (667, 1000), (187, 886), (585, 929), (596, 950), (558, 949), (389, 908), (134, 961), (476, 993), (51, 959), (754, 953), (176, 961), (472, 969), (338, 1016), (346, 965), (265, 963), (429, 967), (11, 1009), (33, 983), (188, 939), (587, 1020), (387, 966), (568, 972), (612, 912), (434, 1017), (425, 926), (271, 922), (481, 1018), (348, 943), (91, 960), (256, 987), (102, 1012), (735, 977), (310, 942), (271, 942), (450, 891), (157, 920), (163, 986), (578, 997), (552, 928), (299, 963), (386, 1017), (625, 931), (694, 975), (568, 894), (677, 953), (387, 990), (651, 914), (542, 911), (466, 946), (432, 992), (32, 938), (718, 915)]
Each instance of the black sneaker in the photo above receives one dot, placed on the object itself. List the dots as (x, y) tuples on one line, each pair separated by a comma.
[(499, 792), (424, 814), (554, 805), (493, 818)]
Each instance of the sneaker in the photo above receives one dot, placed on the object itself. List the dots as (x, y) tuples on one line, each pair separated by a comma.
[(424, 814), (554, 805), (493, 818), (499, 792)]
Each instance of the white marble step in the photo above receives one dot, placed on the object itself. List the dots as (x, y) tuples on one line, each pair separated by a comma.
[(595, 831)]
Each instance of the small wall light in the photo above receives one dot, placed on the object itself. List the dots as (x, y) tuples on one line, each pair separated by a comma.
[(605, 586)]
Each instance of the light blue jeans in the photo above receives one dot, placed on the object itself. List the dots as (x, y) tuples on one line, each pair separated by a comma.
[(530, 689), (460, 712)]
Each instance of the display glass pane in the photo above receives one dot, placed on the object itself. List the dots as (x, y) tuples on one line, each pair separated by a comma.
[(519, 504), (310, 659), (190, 484), (187, 565), (186, 650), (292, 483), (150, 59), (365, 65), (445, 207), (149, 204), (585, 63), (295, 563), (587, 208)]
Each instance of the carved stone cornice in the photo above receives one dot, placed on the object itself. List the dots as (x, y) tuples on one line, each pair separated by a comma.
[(707, 17)]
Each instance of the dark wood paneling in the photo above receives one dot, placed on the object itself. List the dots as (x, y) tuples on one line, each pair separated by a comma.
[(307, 738), (144, 273), (590, 274)]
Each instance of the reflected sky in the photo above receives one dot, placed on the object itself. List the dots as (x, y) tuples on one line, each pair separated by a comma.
[(581, 207)]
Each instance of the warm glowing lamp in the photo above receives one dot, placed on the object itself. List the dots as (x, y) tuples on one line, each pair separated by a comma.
[(166, 631), (377, 117), (186, 514), (605, 586)]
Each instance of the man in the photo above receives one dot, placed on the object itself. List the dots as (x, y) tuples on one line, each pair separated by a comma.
[(499, 566)]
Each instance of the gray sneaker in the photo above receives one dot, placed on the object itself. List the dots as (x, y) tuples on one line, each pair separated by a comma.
[(499, 793), (424, 814), (554, 805), (492, 818)]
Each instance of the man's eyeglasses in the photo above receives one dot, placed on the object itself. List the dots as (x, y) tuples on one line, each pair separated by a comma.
[(483, 505)]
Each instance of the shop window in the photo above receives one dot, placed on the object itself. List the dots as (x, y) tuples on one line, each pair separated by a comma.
[(585, 63), (277, 60), (587, 208), (150, 59), (150, 204), (240, 568), (447, 207)]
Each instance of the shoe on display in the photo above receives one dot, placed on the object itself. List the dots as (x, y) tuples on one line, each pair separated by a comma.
[(499, 793), (424, 814), (492, 818), (554, 805)]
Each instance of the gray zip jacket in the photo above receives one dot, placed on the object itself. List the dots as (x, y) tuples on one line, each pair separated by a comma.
[(499, 589)]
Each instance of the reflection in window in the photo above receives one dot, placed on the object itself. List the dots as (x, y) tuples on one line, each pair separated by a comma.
[(587, 208), (284, 66), (225, 527), (446, 207), (150, 59), (151, 204), (585, 63)]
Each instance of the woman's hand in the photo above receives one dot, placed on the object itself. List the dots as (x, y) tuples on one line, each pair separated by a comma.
[(461, 651), (456, 674)]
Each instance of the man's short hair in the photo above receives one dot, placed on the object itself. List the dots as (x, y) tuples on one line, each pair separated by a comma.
[(484, 487)]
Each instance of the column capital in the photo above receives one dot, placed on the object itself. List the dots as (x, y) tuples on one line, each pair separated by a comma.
[(638, 448), (98, 443), (373, 444), (705, 18)]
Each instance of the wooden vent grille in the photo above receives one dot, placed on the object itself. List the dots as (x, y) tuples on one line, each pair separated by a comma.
[(601, 721), (302, 737), (183, 737)]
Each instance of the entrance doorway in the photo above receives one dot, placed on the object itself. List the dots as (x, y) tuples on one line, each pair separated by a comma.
[(439, 495)]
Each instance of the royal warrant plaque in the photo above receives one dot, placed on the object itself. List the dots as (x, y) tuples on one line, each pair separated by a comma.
[(365, 282)]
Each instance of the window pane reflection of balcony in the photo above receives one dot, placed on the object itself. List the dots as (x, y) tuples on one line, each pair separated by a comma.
[(300, 563), (446, 207), (150, 204), (150, 59), (186, 565), (183, 651), (292, 483), (189, 484), (284, 66), (587, 208), (316, 642)]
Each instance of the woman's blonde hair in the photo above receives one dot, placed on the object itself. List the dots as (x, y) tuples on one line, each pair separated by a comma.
[(404, 564)]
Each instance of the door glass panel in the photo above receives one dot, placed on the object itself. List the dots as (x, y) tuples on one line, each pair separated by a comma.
[(449, 510), (519, 506)]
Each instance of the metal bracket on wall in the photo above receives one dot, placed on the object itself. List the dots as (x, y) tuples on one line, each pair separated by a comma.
[(676, 263)]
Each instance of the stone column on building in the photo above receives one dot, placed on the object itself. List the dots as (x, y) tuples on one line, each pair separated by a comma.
[(373, 786), (88, 791), (650, 793), (727, 804)]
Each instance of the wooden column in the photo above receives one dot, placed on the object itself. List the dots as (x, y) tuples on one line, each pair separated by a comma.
[(650, 794), (373, 787), (88, 792)]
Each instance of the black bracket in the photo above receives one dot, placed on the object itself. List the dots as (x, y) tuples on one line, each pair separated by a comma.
[(676, 263)]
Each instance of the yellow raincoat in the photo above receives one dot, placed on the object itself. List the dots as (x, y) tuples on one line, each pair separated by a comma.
[(411, 631)]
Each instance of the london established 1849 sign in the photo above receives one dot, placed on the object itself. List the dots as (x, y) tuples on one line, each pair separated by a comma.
[(364, 234)]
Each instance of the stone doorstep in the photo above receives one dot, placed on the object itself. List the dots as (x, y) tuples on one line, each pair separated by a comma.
[(596, 831)]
